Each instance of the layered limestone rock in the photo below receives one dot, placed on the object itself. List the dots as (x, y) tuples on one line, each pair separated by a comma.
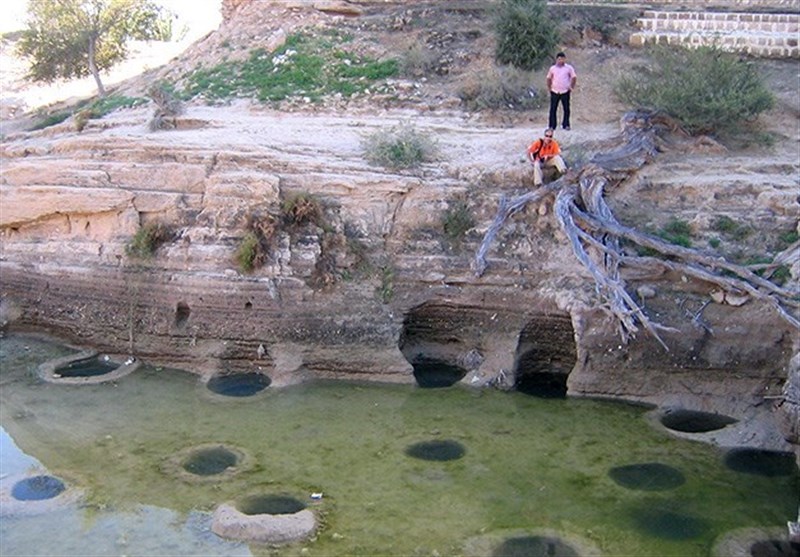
[(373, 285)]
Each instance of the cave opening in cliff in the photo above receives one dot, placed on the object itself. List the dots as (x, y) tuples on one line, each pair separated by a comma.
[(182, 313), (439, 450), (694, 421), (87, 367), (238, 384), (431, 373), (37, 488), (761, 462), (434, 338), (270, 504), (544, 546), (545, 356)]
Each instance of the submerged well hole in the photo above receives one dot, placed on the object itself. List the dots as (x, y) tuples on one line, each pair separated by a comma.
[(669, 525), (648, 476), (775, 548), (37, 488), (545, 356), (438, 450), (693, 421), (238, 384), (270, 504), (535, 546), (210, 461), (431, 373), (761, 462), (87, 367)]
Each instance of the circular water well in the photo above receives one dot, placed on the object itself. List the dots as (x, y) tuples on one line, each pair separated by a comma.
[(238, 385), (432, 373), (775, 548), (667, 524), (647, 476), (535, 546), (264, 518), (755, 542), (209, 462), (34, 494), (437, 450), (86, 367), (694, 421), (761, 462), (37, 488)]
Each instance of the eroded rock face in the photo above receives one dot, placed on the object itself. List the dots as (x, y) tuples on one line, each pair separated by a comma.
[(376, 283), (788, 410)]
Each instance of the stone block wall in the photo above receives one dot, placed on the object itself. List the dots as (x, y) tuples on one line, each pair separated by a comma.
[(765, 35)]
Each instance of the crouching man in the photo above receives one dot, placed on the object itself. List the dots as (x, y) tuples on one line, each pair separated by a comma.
[(545, 151)]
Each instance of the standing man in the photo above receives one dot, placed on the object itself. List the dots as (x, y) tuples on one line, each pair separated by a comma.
[(561, 79)]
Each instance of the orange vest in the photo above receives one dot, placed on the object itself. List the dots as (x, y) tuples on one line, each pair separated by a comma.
[(543, 150)]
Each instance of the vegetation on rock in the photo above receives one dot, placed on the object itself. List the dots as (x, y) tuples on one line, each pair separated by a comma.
[(307, 66), (148, 239), (707, 90), (526, 36), (399, 147)]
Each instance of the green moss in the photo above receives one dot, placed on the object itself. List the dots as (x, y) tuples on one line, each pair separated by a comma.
[(305, 66)]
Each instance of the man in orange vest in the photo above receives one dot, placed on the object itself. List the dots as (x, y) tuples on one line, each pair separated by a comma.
[(545, 151)]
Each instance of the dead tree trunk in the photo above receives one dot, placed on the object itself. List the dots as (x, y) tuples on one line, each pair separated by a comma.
[(595, 234)]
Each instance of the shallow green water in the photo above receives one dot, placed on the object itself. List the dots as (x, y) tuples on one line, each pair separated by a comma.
[(529, 466)]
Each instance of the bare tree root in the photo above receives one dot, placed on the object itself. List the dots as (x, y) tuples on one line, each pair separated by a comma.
[(596, 236)]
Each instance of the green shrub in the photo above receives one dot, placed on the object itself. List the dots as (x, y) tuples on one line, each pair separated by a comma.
[(730, 228), (526, 37), (148, 239), (417, 61), (677, 232), (247, 252), (399, 147), (302, 208), (386, 290), (500, 88), (457, 220), (787, 239), (706, 89)]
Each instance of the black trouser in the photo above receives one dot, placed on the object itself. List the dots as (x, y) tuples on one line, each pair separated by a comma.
[(555, 98)]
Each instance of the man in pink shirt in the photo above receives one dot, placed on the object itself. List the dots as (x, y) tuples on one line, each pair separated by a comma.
[(561, 79)]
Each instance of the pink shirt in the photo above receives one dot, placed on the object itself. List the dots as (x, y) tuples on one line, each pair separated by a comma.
[(561, 77)]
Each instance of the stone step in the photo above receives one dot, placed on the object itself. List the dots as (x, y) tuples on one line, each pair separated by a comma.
[(758, 45), (659, 21), (792, 6), (761, 35)]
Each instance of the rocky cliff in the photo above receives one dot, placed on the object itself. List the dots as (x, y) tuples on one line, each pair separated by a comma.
[(374, 285)]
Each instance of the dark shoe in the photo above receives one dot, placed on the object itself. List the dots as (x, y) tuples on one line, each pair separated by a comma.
[(566, 127)]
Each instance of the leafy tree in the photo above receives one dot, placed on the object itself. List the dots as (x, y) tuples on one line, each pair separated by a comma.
[(526, 36), (67, 39), (706, 89)]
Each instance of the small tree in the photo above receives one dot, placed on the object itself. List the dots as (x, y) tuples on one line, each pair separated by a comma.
[(526, 36), (706, 89), (66, 39)]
